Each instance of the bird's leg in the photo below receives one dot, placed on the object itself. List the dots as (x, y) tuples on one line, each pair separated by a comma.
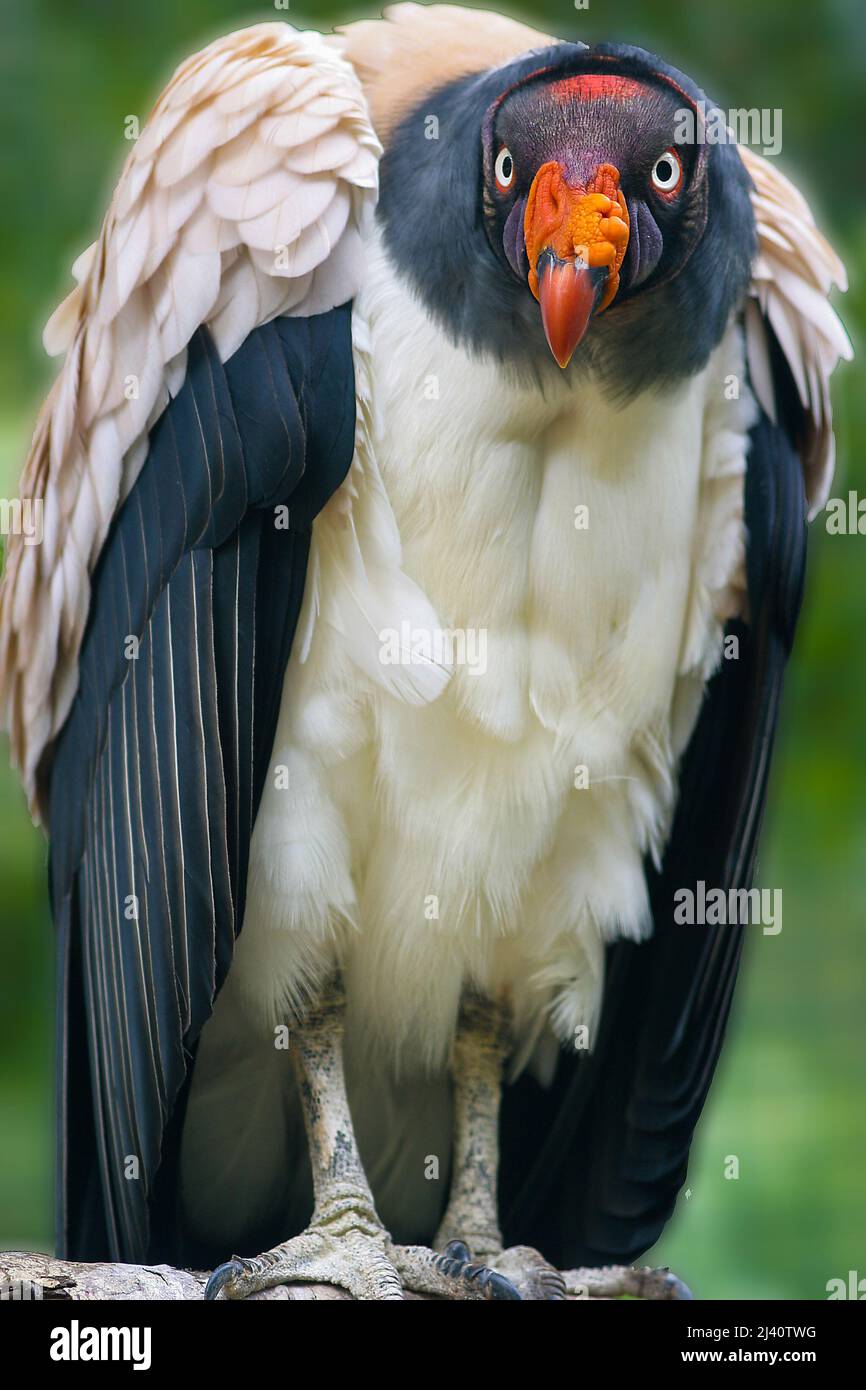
[(345, 1243), (471, 1218), (481, 1045), (469, 1231), (470, 1225)]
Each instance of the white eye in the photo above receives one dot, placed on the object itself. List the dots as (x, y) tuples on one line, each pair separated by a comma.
[(504, 170), (667, 174)]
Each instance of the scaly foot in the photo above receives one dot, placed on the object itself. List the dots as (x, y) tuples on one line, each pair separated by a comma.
[(532, 1275), (344, 1245), (451, 1273), (347, 1245), (525, 1270)]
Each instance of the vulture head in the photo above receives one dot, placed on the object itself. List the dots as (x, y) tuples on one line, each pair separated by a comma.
[(553, 214)]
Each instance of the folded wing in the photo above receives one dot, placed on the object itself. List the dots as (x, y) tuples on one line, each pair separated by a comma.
[(203, 415), (244, 198)]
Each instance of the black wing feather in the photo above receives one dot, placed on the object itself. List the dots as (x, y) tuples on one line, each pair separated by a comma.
[(619, 1124), (159, 769)]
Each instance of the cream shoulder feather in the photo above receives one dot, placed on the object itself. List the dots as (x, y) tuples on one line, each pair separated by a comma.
[(245, 198), (415, 49), (792, 276)]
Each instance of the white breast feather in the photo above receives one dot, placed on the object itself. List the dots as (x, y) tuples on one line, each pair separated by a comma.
[(431, 831)]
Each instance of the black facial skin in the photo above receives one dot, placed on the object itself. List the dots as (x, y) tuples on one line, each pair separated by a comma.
[(447, 227)]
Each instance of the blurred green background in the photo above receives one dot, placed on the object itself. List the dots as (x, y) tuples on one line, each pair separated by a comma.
[(789, 1097)]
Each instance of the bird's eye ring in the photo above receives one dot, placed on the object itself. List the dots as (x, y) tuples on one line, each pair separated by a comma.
[(667, 174), (504, 170)]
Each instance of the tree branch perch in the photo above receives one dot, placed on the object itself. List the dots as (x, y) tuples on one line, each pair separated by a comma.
[(39, 1276)]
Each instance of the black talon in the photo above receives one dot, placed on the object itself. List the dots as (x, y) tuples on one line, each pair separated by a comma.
[(221, 1276), (677, 1288), (456, 1262), (502, 1288), (499, 1286)]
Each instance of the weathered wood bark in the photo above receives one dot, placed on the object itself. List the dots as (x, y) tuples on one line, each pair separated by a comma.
[(27, 1276)]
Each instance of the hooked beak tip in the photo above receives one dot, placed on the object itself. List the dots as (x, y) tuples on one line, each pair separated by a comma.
[(569, 293)]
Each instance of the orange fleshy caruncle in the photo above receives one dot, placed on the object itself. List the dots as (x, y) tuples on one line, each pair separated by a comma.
[(588, 224)]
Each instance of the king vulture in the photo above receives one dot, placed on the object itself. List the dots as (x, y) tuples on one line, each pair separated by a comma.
[(425, 490)]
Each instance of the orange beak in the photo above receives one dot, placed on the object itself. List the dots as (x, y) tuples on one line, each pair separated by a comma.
[(576, 240)]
